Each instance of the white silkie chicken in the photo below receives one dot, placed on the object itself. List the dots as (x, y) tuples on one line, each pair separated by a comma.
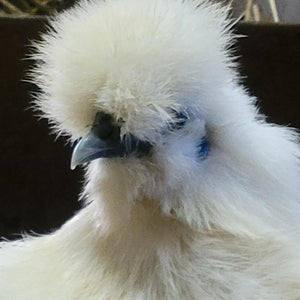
[(194, 197)]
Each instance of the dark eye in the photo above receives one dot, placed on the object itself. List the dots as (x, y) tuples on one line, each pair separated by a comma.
[(181, 119), (103, 126)]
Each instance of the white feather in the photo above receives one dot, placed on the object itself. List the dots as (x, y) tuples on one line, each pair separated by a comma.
[(165, 226)]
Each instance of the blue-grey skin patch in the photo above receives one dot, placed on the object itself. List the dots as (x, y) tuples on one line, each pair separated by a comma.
[(203, 146)]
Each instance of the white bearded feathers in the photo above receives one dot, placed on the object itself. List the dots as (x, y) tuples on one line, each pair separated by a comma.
[(167, 225)]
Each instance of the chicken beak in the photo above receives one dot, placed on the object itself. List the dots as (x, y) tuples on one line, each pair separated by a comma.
[(104, 140), (92, 147)]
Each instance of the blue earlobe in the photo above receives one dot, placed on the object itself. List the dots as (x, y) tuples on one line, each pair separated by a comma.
[(203, 148)]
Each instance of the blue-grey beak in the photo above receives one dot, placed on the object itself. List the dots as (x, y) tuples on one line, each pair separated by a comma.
[(104, 141), (91, 147)]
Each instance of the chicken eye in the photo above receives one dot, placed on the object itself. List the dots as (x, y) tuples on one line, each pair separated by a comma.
[(103, 126), (181, 119)]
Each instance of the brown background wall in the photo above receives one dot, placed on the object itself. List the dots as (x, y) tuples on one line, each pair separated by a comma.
[(38, 190)]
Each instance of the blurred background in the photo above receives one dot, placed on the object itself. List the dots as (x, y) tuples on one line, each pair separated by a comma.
[(266, 11), (39, 192), (283, 11)]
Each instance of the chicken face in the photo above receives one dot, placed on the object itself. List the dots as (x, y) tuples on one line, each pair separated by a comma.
[(104, 140)]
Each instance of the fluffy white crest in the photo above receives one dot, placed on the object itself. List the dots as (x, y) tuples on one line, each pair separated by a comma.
[(134, 59)]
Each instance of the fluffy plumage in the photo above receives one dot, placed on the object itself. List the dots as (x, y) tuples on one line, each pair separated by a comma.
[(167, 225)]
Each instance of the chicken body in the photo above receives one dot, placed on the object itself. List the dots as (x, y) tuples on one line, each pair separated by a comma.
[(148, 258), (194, 195)]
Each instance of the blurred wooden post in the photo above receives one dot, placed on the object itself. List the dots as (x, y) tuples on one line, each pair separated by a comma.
[(248, 11), (10, 7), (274, 10), (256, 13), (267, 11)]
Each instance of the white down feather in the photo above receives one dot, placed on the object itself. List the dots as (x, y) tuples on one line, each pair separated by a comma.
[(165, 226)]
